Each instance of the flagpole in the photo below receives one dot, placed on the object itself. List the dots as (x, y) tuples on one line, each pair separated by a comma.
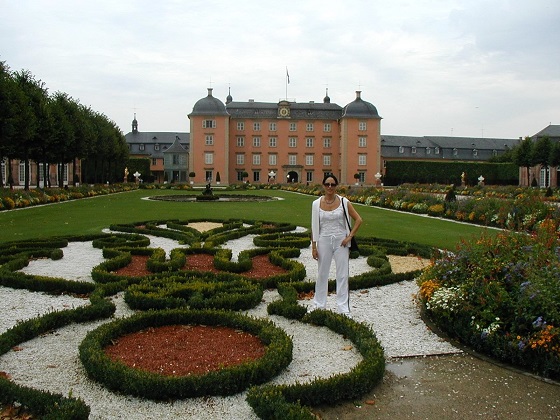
[(287, 81)]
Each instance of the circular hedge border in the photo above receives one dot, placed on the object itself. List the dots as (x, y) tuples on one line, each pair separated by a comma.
[(212, 198), (117, 376)]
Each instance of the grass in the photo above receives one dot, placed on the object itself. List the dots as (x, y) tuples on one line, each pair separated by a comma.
[(94, 214)]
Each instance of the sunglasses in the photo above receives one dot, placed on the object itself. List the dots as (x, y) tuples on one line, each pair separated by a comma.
[(330, 184)]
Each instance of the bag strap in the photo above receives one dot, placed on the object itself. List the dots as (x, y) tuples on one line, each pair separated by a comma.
[(345, 215)]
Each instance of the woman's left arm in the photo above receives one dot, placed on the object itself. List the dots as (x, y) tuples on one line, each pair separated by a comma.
[(357, 219), (355, 226)]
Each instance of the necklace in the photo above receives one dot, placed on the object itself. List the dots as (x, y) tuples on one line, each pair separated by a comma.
[(330, 202)]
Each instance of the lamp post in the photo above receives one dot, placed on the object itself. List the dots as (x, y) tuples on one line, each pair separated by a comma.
[(271, 176), (378, 178)]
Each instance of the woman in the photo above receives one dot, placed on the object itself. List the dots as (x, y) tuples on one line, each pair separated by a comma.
[(330, 239)]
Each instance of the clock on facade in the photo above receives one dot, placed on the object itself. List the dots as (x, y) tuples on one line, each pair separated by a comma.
[(284, 112)]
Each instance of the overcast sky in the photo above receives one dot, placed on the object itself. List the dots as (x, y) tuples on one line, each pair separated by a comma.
[(476, 68)]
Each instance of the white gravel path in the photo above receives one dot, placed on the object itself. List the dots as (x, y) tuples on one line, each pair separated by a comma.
[(51, 362)]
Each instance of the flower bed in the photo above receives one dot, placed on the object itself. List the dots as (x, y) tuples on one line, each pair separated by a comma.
[(501, 295)]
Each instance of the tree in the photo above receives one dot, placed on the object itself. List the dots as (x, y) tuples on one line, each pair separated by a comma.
[(34, 114), (542, 154), (11, 103), (555, 155), (523, 156)]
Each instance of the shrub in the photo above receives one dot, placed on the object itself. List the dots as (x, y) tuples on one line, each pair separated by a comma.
[(117, 376), (501, 295)]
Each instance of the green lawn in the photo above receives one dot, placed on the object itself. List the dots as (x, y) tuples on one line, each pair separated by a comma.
[(93, 214)]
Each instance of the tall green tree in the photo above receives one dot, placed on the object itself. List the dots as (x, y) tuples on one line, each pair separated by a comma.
[(523, 156), (555, 154), (542, 155), (11, 102), (36, 95)]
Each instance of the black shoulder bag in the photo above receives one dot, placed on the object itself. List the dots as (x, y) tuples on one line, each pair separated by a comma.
[(353, 243)]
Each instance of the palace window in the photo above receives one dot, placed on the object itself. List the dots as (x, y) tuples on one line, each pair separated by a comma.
[(240, 125), (256, 142), (362, 126), (272, 159), (208, 124), (327, 127), (309, 176), (292, 160), (293, 126), (208, 158), (240, 159), (240, 141), (209, 140), (272, 126), (309, 127), (292, 142), (327, 142), (256, 126), (309, 160), (272, 141), (362, 160), (326, 160), (309, 142), (362, 142), (256, 159)]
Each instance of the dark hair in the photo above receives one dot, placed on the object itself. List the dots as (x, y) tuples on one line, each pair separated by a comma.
[(330, 176)]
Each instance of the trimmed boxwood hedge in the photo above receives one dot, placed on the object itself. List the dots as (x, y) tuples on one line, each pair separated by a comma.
[(117, 376), (169, 288)]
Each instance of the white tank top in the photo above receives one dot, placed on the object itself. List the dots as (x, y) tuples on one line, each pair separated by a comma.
[(332, 222)]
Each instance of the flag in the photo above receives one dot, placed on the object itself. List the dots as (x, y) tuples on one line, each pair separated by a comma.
[(287, 75)]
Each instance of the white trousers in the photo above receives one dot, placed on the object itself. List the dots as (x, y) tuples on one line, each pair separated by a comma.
[(329, 248)]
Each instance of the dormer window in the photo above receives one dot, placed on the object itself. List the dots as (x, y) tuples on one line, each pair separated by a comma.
[(401, 149), (156, 146), (413, 150), (141, 146)]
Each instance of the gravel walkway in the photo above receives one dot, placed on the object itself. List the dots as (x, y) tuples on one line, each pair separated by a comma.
[(51, 362)]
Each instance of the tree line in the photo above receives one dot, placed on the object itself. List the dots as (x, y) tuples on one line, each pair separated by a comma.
[(530, 153), (55, 129)]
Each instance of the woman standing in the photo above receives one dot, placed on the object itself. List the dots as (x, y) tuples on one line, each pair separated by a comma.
[(330, 239)]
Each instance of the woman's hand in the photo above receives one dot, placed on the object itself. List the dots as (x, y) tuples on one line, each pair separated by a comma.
[(315, 254), (346, 241)]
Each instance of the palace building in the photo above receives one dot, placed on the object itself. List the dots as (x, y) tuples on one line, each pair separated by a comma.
[(289, 141), (263, 142)]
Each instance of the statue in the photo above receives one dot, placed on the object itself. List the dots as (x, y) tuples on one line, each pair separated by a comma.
[(208, 190), (125, 173)]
